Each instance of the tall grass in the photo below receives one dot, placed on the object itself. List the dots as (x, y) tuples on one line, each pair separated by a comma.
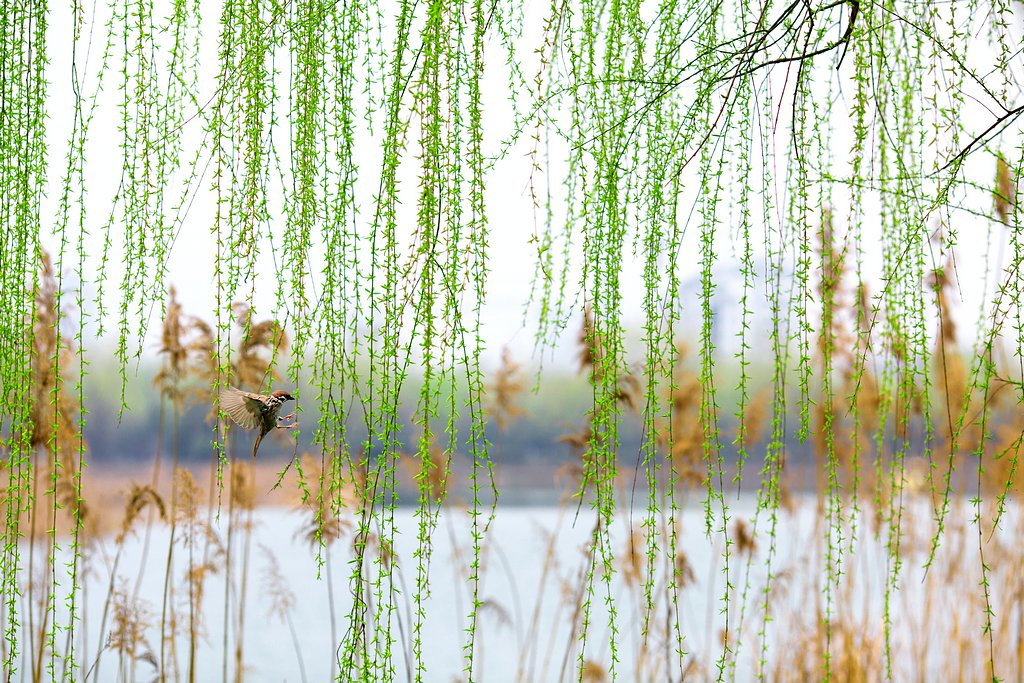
[(844, 630), (330, 172)]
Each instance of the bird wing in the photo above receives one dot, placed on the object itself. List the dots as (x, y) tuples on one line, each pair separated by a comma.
[(244, 408)]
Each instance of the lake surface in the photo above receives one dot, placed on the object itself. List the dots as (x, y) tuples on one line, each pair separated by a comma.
[(534, 562)]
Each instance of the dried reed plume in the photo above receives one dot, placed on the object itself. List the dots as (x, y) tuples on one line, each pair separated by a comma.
[(627, 392), (131, 619), (497, 611), (683, 573), (1004, 194), (579, 442), (686, 437), (186, 504), (949, 368), (593, 672), (591, 354), (139, 498), (743, 535), (755, 417), (323, 527), (187, 345), (833, 337), (633, 561), (504, 392), (431, 474), (53, 410), (280, 598), (243, 485), (356, 493), (260, 344), (281, 602)]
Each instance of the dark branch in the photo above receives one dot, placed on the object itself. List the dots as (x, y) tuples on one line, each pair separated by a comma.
[(1000, 122)]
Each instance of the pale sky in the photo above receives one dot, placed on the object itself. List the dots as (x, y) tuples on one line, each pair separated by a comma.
[(191, 264)]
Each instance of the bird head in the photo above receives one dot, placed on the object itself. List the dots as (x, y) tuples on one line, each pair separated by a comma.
[(283, 395)]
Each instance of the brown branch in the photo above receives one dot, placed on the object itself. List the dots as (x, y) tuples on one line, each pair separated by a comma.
[(1003, 120)]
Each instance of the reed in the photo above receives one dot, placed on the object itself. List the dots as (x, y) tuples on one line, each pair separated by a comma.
[(774, 231)]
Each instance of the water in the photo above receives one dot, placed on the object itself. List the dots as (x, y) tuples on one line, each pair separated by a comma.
[(535, 560)]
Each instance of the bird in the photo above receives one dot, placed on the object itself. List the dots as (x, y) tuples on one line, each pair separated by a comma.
[(251, 410)]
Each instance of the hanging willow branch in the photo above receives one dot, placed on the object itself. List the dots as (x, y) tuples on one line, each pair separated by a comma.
[(712, 172)]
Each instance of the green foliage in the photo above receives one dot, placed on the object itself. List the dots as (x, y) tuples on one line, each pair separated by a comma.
[(825, 151)]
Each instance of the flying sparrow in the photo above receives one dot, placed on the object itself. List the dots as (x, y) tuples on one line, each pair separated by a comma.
[(251, 410)]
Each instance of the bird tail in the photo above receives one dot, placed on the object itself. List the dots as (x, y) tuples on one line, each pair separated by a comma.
[(256, 445)]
